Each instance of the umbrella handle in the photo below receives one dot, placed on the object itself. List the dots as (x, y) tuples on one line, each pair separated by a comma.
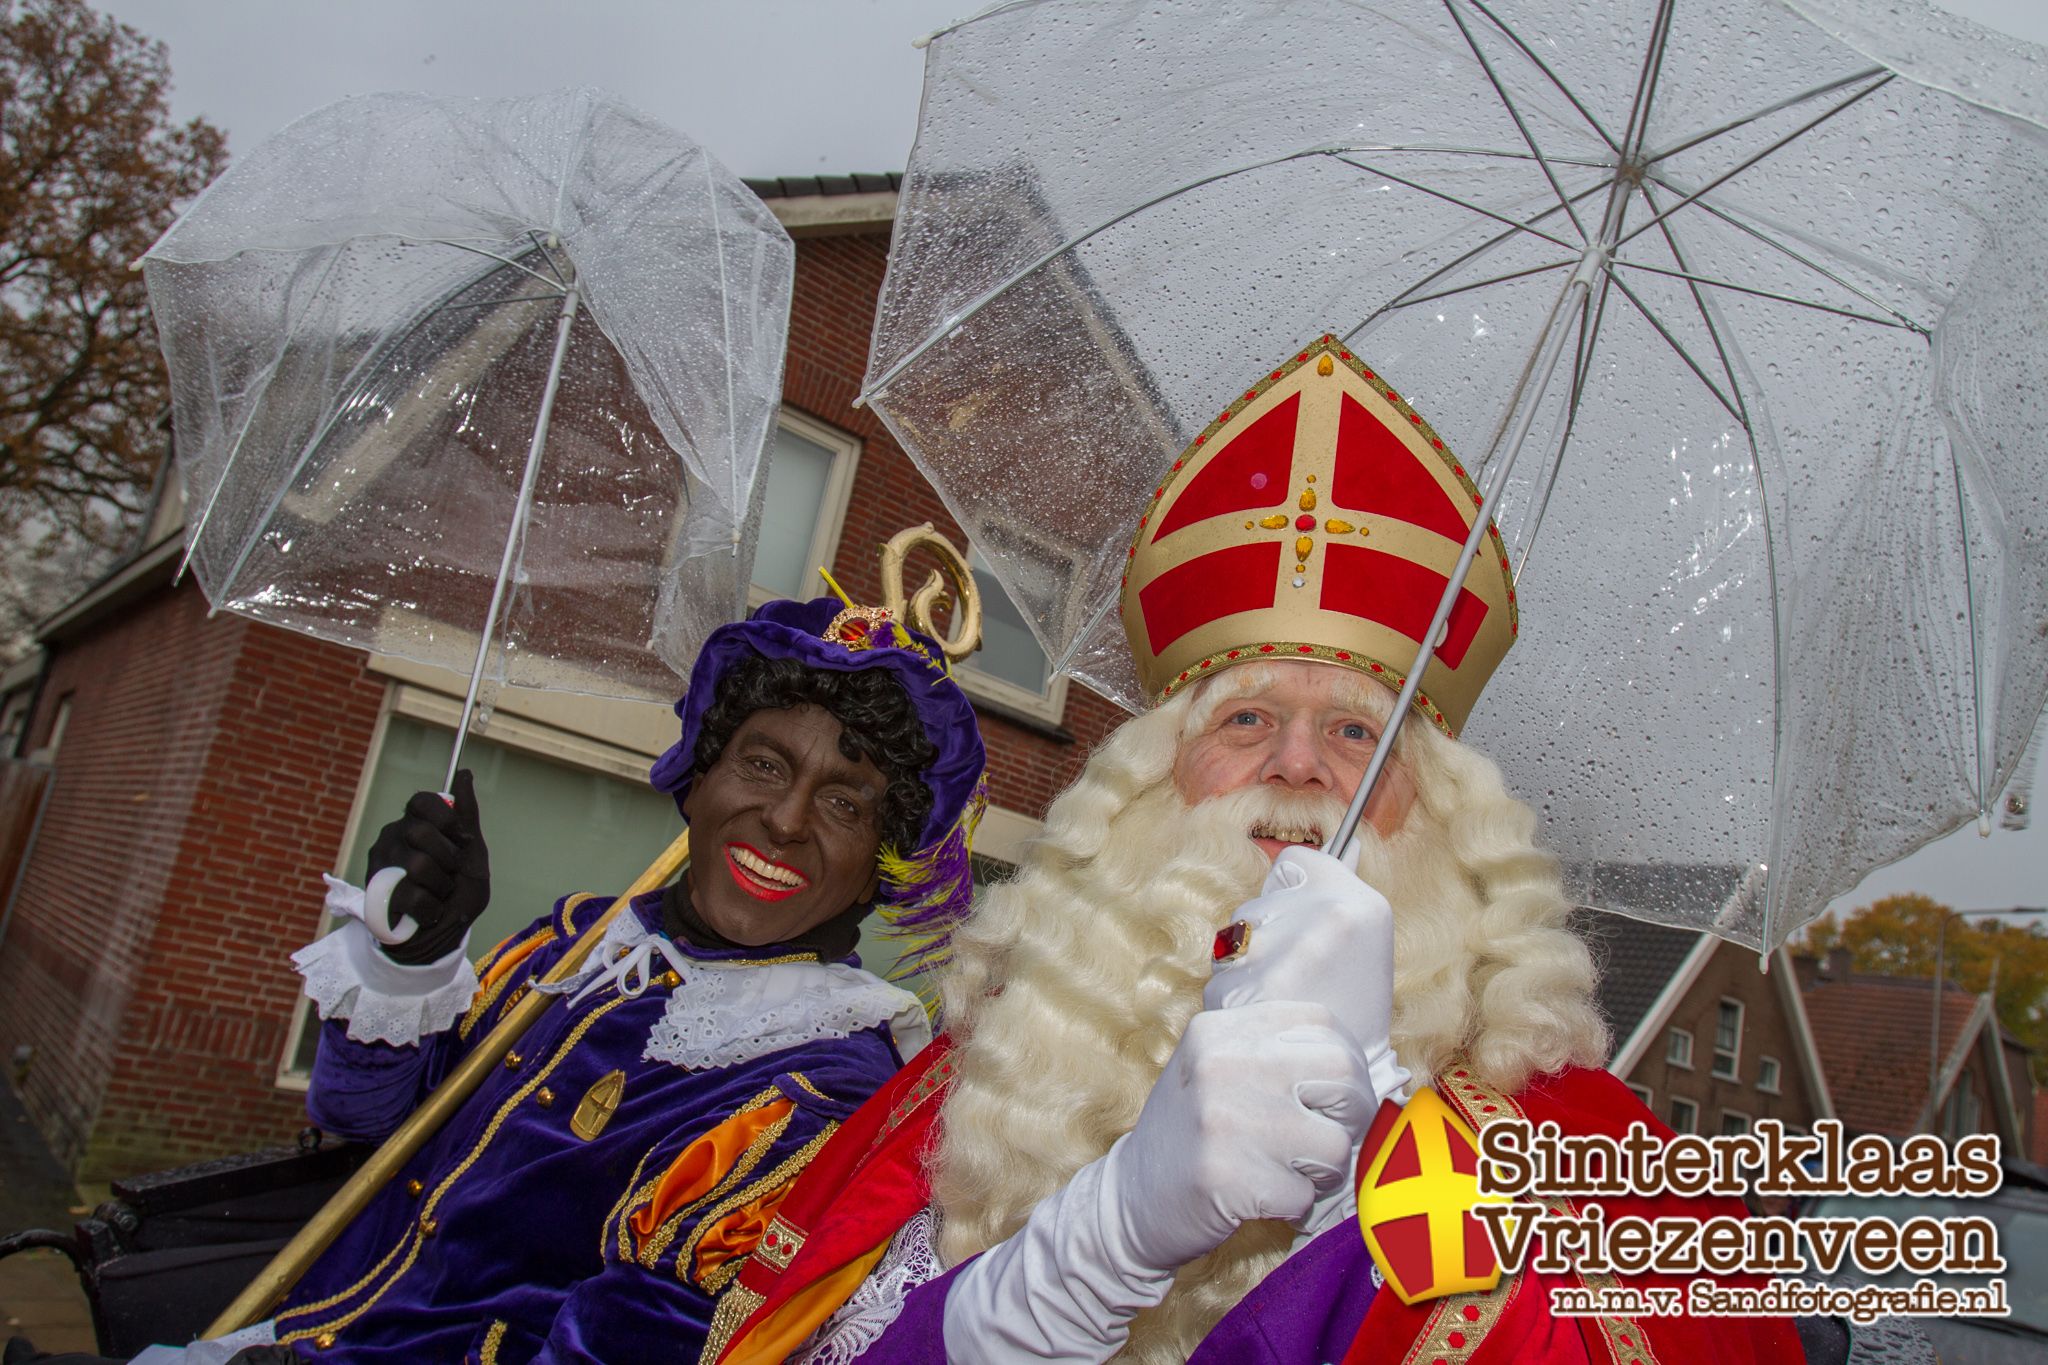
[(377, 901), (377, 908)]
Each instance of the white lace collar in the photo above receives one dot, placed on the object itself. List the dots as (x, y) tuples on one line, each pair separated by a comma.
[(726, 1013)]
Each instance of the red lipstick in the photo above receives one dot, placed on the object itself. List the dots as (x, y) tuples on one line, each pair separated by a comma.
[(757, 883)]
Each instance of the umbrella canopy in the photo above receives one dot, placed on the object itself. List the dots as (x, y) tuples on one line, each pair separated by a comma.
[(1780, 525), (373, 320)]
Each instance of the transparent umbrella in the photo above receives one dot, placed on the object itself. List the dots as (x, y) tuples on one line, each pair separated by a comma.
[(1756, 291), (478, 383)]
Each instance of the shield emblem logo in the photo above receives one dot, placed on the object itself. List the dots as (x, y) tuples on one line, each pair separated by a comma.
[(1418, 1182)]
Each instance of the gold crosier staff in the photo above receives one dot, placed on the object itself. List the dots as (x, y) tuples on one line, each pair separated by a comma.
[(270, 1286)]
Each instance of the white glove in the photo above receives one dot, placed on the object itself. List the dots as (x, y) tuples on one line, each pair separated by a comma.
[(1320, 934), (1255, 1116)]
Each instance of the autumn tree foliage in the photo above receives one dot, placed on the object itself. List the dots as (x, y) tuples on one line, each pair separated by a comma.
[(92, 171), (1900, 935)]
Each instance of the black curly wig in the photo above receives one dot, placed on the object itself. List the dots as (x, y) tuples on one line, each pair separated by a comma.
[(877, 722)]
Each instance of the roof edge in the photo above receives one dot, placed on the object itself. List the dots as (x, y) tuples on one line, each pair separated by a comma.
[(1630, 1054)]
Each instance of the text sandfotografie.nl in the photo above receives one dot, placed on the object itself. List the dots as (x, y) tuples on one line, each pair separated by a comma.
[(1540, 1192)]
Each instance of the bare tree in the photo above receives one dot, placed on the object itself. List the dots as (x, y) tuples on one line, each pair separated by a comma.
[(91, 171)]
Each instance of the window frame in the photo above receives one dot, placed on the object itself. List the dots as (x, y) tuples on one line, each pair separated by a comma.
[(1692, 1122), (416, 702), (1733, 1054), (1671, 1048), (830, 526), (1049, 706), (1645, 1094), (1767, 1065), (1727, 1114)]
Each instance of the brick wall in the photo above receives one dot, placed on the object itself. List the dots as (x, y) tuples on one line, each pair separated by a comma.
[(198, 797), (195, 1071)]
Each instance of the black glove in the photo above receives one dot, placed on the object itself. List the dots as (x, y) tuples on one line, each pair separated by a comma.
[(447, 871)]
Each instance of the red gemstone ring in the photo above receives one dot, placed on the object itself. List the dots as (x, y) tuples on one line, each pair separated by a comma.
[(1231, 942)]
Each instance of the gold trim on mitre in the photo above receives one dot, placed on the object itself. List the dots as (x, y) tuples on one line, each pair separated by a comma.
[(1318, 517)]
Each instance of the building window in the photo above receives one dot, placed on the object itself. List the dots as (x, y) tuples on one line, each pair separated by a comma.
[(1733, 1124), (1767, 1075), (1728, 1039), (1685, 1116), (1010, 669), (1678, 1048), (1643, 1093), (809, 476), (620, 825)]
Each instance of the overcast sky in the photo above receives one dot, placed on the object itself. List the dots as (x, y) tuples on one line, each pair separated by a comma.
[(772, 87)]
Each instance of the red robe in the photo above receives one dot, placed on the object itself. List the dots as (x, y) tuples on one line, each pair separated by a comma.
[(870, 1179)]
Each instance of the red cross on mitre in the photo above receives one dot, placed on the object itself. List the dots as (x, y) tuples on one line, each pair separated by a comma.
[(1319, 517)]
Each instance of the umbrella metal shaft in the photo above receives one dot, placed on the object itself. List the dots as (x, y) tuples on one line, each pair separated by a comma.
[(1549, 349), (516, 532)]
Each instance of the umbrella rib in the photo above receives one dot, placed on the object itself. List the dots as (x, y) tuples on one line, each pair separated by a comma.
[(1699, 301), (1731, 286), (1732, 221), (234, 452), (1646, 81), (546, 257), (1676, 345), (1401, 298), (1549, 75), (1746, 163), (737, 505), (1521, 126), (954, 321), (1481, 284), (1779, 106), (1461, 203), (1756, 465), (1590, 315), (479, 251), (493, 303)]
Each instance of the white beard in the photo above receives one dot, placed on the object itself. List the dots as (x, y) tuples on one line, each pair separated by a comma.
[(1072, 985)]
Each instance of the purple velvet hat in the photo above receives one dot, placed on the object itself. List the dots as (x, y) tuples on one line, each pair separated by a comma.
[(926, 891)]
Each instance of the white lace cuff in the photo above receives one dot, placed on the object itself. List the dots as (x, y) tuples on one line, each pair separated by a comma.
[(384, 1001)]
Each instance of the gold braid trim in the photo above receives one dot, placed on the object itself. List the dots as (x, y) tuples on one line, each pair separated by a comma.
[(571, 906), (746, 1161), (1482, 1104), (742, 1167), (1459, 1323), (805, 1082), (418, 1237), (330, 1301), (788, 1170), (492, 1339), (485, 997), (635, 1193), (735, 1306)]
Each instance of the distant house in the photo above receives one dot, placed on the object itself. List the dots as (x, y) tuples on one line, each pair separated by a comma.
[(1879, 1042), (1706, 1040)]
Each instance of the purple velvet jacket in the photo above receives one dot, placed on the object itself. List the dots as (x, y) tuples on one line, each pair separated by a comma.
[(509, 1239)]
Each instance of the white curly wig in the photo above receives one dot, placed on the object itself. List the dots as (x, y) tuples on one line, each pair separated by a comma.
[(1070, 985)]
